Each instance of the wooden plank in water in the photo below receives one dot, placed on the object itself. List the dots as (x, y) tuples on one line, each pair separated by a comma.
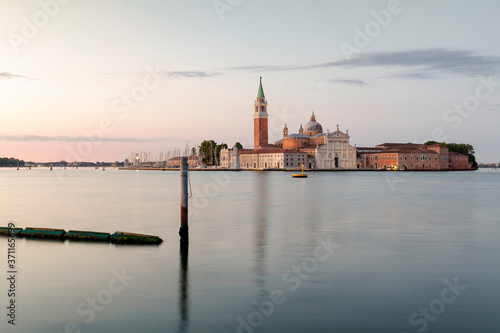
[(134, 238), (42, 233), (5, 231), (87, 235)]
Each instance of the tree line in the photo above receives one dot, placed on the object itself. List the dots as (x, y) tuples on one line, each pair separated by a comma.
[(10, 162)]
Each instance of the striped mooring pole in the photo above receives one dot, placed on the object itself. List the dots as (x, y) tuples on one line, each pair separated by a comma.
[(184, 230)]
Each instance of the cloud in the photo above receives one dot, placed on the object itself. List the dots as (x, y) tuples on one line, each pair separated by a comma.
[(170, 75), (264, 68), (423, 64), (39, 138), (8, 75), (187, 74), (356, 82), (466, 63), (491, 107)]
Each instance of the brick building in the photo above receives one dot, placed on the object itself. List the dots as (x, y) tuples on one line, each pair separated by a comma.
[(409, 156)]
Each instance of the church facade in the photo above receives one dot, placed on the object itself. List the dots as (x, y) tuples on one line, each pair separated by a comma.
[(310, 147), (330, 150)]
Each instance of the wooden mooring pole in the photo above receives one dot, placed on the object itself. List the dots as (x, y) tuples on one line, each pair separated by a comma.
[(184, 230)]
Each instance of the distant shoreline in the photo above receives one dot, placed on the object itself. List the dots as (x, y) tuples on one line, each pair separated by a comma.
[(283, 170)]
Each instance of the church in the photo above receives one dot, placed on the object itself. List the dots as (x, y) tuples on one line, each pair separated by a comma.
[(310, 147)]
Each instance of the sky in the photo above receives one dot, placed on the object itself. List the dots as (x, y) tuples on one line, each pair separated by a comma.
[(85, 80)]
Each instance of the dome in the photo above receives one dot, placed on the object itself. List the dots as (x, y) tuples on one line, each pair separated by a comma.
[(313, 125)]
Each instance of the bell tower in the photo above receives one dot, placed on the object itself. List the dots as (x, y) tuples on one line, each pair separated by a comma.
[(260, 121)]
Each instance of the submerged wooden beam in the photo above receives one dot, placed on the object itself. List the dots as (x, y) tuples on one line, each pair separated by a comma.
[(118, 237), (5, 231), (133, 238), (42, 233), (87, 236)]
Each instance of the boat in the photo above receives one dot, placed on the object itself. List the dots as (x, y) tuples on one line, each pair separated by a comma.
[(300, 175)]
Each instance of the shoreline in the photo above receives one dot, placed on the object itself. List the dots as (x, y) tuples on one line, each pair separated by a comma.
[(283, 170)]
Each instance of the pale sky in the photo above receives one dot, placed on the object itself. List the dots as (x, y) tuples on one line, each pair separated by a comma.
[(156, 75)]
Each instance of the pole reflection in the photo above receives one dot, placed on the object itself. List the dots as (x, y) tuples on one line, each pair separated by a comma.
[(183, 324)]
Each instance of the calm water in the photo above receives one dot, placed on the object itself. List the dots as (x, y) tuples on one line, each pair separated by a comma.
[(255, 261)]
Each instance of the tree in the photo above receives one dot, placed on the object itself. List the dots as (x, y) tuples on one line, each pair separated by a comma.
[(238, 145), (210, 151), (207, 151)]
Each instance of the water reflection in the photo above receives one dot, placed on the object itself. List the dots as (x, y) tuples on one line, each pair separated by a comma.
[(183, 288)]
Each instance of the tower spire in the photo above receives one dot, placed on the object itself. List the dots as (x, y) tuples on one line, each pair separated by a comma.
[(260, 93)]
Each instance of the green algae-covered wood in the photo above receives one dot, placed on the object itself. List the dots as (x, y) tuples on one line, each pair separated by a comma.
[(42, 233), (5, 231), (121, 237), (91, 236)]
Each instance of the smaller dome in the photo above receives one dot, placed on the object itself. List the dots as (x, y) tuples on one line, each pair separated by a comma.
[(298, 136)]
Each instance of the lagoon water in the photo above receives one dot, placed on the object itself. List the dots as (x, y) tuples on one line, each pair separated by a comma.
[(337, 252)]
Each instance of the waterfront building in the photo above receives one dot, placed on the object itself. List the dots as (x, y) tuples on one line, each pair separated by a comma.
[(310, 147), (410, 156)]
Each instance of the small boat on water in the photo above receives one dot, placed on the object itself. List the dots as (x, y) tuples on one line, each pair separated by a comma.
[(300, 175)]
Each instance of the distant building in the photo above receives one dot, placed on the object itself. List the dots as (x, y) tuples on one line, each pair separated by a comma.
[(310, 147), (137, 161), (409, 156), (175, 162)]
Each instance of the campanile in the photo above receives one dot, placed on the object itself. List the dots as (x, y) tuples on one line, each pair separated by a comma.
[(260, 122)]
